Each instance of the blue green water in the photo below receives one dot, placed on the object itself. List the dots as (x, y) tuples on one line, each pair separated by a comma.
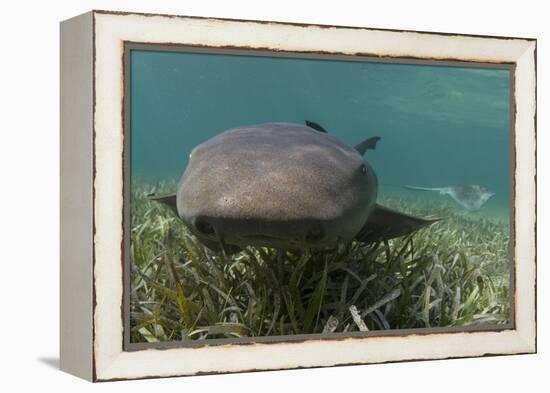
[(440, 125)]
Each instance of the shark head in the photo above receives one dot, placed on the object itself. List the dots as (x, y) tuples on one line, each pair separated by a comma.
[(284, 186), (276, 184)]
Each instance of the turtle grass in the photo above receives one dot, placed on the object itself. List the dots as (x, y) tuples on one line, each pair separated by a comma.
[(453, 273)]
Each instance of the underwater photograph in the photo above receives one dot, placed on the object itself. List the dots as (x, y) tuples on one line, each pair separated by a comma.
[(281, 195)]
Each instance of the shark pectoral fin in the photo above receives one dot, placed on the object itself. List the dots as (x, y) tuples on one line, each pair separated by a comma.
[(167, 199), (384, 224)]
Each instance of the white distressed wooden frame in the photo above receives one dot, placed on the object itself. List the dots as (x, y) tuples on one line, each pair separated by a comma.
[(92, 47)]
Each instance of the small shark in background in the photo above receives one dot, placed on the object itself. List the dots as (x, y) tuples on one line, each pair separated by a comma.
[(471, 197)]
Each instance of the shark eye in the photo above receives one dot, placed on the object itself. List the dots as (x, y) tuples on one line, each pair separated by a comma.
[(364, 169)]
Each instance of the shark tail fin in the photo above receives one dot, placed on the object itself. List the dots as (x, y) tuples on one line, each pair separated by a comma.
[(367, 144)]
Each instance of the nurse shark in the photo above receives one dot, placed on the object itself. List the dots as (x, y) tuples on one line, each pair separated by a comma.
[(286, 186)]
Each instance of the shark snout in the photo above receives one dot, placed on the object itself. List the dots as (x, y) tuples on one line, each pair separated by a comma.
[(260, 233), (315, 234), (204, 227)]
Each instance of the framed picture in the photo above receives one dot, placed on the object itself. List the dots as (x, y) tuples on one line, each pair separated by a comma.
[(247, 195)]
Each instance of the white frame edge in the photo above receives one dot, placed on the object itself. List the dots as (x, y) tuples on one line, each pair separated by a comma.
[(76, 205), (112, 30)]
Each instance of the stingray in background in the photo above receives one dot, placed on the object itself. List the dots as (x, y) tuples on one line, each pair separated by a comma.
[(470, 197), (283, 185)]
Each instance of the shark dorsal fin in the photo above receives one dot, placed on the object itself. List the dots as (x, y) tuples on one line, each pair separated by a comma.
[(315, 126), (367, 144)]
